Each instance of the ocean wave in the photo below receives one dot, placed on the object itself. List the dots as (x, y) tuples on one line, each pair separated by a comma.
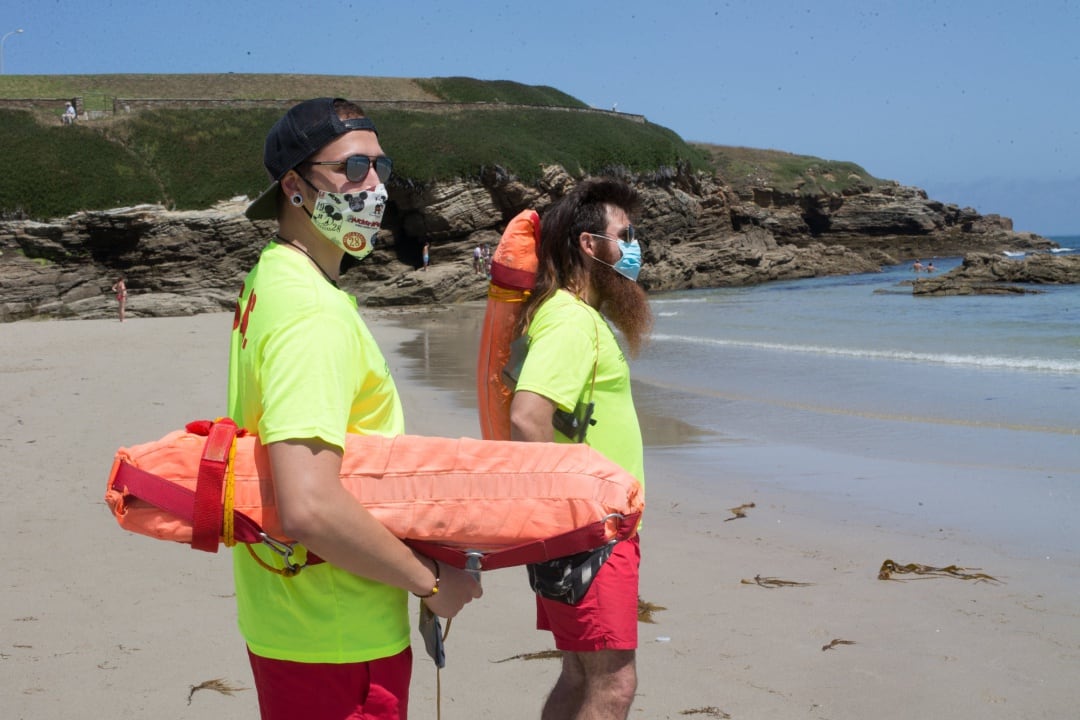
[(677, 300), (989, 362)]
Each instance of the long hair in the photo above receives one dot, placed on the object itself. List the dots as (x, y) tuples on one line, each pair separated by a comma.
[(562, 262)]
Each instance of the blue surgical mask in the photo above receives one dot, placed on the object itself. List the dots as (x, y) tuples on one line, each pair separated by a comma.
[(629, 265)]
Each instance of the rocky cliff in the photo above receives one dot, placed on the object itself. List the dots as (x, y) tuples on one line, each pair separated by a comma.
[(697, 230)]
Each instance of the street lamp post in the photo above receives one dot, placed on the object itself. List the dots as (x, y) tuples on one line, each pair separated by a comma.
[(13, 32)]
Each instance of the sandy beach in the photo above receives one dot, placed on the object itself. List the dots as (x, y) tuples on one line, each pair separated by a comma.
[(100, 623)]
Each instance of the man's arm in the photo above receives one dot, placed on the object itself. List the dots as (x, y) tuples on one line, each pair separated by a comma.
[(316, 510), (530, 417)]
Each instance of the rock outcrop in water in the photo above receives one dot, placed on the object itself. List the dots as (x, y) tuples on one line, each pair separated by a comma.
[(983, 274), (698, 232)]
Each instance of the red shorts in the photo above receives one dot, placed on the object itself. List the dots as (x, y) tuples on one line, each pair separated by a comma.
[(375, 690), (607, 617)]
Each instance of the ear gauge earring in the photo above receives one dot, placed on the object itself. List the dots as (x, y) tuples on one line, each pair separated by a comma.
[(297, 199)]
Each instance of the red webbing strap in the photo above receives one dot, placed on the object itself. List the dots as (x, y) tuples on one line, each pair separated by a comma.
[(174, 499), (585, 538), (207, 513)]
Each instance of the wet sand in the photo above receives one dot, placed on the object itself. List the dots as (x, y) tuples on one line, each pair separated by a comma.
[(99, 622)]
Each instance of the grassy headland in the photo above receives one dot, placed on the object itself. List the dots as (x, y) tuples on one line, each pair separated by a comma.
[(744, 168), (189, 158)]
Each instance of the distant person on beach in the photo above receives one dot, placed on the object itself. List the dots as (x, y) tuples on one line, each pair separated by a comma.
[(477, 259), (574, 369), (917, 267), (68, 117), (120, 289), (331, 641), (427, 256)]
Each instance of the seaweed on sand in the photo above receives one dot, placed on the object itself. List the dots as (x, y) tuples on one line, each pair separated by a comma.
[(646, 609), (835, 642), (710, 711), (771, 582), (217, 685), (890, 568), (542, 655), (739, 512)]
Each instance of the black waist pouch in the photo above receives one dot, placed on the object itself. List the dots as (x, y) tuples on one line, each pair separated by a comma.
[(567, 579)]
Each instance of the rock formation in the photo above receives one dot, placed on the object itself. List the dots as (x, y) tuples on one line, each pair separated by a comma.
[(984, 274), (697, 231)]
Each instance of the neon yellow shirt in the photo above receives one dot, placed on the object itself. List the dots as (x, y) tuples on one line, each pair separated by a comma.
[(567, 339), (302, 364)]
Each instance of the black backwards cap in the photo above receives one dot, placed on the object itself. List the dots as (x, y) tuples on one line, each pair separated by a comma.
[(298, 135)]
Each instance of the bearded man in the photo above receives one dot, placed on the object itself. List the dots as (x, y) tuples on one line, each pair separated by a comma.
[(574, 386)]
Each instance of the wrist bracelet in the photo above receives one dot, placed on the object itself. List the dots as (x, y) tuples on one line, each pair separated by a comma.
[(435, 588)]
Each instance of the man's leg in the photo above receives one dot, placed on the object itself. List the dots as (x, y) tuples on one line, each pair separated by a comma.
[(566, 697), (597, 637), (593, 686)]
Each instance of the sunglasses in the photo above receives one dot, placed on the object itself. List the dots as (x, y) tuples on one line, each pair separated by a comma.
[(630, 236), (356, 167)]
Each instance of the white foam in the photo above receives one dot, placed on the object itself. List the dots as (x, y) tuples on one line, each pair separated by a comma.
[(981, 361)]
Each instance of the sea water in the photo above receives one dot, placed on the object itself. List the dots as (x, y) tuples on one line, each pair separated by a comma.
[(958, 411), (862, 345)]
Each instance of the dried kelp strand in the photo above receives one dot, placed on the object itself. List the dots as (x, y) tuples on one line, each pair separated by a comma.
[(710, 711), (542, 655), (739, 512), (771, 582), (646, 609), (217, 685), (890, 568)]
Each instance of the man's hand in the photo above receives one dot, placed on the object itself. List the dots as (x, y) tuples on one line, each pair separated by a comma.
[(456, 588)]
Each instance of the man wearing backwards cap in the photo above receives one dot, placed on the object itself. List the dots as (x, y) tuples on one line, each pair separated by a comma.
[(333, 640)]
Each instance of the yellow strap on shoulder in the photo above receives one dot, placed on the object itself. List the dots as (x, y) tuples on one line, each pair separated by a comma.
[(229, 521)]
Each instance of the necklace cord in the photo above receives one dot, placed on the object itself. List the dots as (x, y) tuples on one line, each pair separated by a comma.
[(302, 249)]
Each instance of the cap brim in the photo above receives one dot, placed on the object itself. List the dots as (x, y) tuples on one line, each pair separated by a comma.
[(265, 206)]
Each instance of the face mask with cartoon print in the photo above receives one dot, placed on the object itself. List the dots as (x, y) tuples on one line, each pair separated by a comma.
[(350, 220)]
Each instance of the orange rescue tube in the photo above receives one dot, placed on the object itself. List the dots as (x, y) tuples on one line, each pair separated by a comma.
[(513, 273), (462, 493)]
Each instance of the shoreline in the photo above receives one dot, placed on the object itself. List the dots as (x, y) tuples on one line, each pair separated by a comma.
[(98, 618), (980, 491)]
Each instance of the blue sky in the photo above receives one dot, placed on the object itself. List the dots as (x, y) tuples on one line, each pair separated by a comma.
[(976, 101)]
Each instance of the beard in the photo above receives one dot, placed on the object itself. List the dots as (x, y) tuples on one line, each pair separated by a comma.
[(625, 304)]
